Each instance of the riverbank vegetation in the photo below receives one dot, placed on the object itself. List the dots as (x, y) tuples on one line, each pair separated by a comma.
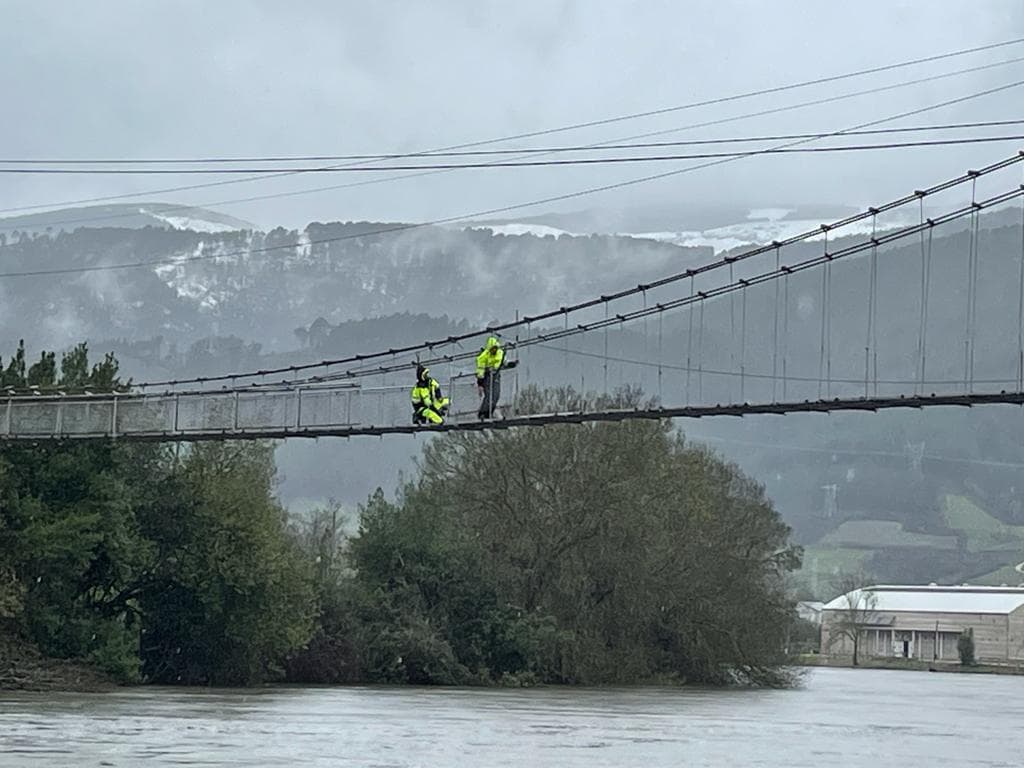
[(582, 554), (599, 553), (147, 563)]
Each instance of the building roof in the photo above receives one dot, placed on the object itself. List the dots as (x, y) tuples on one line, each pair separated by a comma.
[(936, 599)]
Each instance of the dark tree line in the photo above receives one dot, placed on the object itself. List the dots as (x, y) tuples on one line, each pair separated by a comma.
[(572, 554), (149, 564)]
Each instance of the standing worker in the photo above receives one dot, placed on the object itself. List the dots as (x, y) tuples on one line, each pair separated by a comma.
[(429, 406), (489, 363)]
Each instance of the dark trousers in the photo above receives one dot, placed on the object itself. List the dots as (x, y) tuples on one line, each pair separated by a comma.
[(492, 391)]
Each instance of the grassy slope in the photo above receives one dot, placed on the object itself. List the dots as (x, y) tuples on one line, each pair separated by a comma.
[(849, 547), (984, 533)]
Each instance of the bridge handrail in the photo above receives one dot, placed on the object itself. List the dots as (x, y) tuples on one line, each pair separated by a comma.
[(917, 195)]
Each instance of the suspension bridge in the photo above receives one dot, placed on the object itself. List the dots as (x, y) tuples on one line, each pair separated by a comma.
[(916, 302)]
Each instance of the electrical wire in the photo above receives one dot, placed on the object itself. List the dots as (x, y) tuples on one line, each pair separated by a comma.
[(749, 94), (537, 163), (428, 345), (181, 260), (513, 151)]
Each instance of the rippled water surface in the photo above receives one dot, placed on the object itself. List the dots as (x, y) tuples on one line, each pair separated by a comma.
[(838, 718)]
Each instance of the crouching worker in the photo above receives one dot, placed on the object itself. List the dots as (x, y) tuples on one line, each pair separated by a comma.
[(429, 406)]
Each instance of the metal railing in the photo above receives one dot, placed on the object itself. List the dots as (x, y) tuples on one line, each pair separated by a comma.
[(283, 410)]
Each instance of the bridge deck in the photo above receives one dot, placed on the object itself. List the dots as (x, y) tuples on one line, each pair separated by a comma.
[(256, 412), (314, 413)]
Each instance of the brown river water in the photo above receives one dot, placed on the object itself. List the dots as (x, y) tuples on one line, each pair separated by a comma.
[(839, 717)]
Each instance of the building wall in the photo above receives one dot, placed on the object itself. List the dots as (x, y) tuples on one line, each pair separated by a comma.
[(997, 637), (1016, 638)]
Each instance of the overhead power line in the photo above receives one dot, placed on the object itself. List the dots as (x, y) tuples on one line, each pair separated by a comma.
[(479, 214), (179, 261), (576, 161), (571, 127), (513, 151), (421, 173)]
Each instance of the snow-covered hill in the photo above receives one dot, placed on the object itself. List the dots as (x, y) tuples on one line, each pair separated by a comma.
[(263, 286), (126, 216), (756, 227), (206, 275)]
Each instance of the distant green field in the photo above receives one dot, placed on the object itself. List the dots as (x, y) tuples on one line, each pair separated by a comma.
[(880, 534), (822, 563), (826, 558), (983, 531), (1005, 575), (849, 547)]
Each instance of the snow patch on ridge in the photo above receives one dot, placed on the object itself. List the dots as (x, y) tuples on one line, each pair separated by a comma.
[(761, 231), (188, 222), (513, 230)]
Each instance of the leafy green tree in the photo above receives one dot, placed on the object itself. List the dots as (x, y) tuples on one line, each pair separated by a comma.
[(586, 553), (965, 647), (148, 567), (425, 615), (858, 611), (230, 595), (805, 637), (66, 524), (331, 656), (11, 594)]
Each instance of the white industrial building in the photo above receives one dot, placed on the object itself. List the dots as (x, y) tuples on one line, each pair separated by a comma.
[(925, 622), (810, 610)]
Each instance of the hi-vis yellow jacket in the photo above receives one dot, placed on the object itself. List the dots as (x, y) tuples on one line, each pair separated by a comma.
[(427, 394), (490, 358)]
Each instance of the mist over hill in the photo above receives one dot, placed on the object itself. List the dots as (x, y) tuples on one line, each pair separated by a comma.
[(229, 283), (668, 218), (122, 216), (930, 496)]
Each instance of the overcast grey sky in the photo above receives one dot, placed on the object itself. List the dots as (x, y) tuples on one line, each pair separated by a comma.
[(128, 78)]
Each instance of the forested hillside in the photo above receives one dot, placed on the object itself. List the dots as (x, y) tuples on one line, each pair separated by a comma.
[(948, 481), (230, 283)]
